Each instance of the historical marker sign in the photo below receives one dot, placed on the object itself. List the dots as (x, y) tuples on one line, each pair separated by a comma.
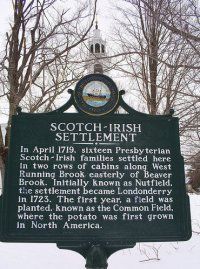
[(74, 177)]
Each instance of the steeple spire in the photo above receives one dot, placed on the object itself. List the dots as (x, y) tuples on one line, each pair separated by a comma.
[(97, 52), (97, 24)]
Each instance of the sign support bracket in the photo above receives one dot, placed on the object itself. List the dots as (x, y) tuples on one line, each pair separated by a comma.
[(96, 254)]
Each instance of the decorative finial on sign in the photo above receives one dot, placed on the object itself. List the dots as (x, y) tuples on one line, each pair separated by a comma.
[(171, 111), (19, 110), (70, 91), (122, 92)]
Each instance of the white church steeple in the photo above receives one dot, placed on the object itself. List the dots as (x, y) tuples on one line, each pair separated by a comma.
[(97, 62)]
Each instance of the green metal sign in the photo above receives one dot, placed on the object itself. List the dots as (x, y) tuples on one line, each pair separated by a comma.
[(94, 181), (72, 177)]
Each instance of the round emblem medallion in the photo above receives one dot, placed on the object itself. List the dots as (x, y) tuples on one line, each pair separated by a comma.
[(96, 94)]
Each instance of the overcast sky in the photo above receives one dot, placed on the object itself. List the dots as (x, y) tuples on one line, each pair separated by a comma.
[(103, 15)]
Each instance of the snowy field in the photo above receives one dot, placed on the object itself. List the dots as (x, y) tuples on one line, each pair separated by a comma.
[(143, 256)]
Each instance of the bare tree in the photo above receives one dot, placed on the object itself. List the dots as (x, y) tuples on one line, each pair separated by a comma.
[(152, 55), (182, 18), (159, 49), (43, 95), (193, 185), (42, 36)]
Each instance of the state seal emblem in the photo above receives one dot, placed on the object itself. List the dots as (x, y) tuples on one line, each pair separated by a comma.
[(96, 94)]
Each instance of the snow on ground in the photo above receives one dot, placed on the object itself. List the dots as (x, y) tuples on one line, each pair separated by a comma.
[(40, 256)]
